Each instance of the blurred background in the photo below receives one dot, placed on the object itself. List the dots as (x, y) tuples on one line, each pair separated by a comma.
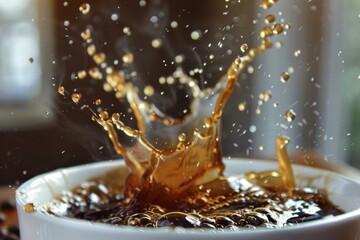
[(41, 49)]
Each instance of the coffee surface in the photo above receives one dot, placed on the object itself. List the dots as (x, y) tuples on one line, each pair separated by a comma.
[(244, 205)]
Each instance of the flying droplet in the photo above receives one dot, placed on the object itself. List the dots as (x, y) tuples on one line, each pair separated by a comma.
[(61, 90), (278, 28), (86, 35), (91, 50), (82, 74), (128, 58), (244, 47), (97, 102), (261, 147), (196, 35), (84, 8), (285, 77), (242, 106), (149, 90), (270, 18), (95, 73), (76, 97), (290, 115), (156, 43), (252, 128), (99, 58)]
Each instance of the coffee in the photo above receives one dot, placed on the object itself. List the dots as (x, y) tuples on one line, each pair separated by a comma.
[(175, 164), (246, 206)]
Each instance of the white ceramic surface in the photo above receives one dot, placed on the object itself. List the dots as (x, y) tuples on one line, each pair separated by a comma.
[(342, 191)]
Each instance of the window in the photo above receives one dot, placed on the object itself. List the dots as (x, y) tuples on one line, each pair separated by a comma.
[(316, 52), (25, 40)]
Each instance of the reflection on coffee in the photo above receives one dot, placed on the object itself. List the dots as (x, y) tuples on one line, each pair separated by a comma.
[(175, 169)]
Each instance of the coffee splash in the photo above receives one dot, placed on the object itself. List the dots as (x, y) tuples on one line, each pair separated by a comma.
[(172, 157)]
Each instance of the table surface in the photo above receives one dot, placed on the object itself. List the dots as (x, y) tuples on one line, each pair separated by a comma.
[(8, 194)]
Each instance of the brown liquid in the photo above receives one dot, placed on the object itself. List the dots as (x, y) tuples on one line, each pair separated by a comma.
[(246, 206), (175, 165), (164, 175)]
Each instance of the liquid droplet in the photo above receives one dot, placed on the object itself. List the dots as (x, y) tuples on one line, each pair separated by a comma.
[(268, 3), (270, 18), (115, 80), (84, 8), (99, 58), (149, 90), (95, 73), (97, 102), (76, 97), (86, 35), (244, 47), (252, 128), (29, 208), (265, 96), (82, 74), (91, 50), (261, 147), (285, 77), (242, 106), (290, 115), (128, 58), (196, 35), (61, 90), (278, 28), (156, 43)]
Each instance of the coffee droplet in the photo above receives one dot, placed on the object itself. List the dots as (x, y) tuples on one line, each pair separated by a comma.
[(99, 58), (242, 106), (156, 43), (149, 90), (182, 137), (265, 96), (31, 60), (29, 208), (61, 90), (278, 28), (244, 47), (84, 8), (86, 35), (268, 3), (115, 80), (261, 147), (196, 35), (97, 102), (82, 74), (285, 77), (270, 18), (95, 73), (104, 115), (76, 97), (290, 115), (91, 50), (128, 58)]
